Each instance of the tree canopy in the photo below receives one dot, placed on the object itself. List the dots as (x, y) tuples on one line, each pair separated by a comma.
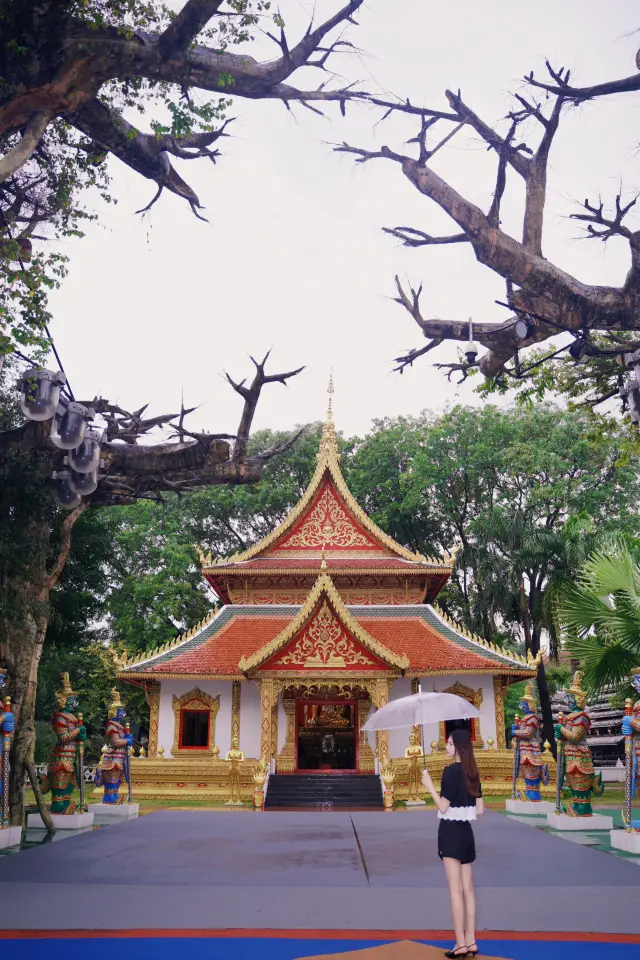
[(137, 80)]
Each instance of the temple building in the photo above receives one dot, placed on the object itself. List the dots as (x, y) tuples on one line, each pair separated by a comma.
[(320, 622)]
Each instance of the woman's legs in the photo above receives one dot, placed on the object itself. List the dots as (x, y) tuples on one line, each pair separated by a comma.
[(466, 871), (453, 869)]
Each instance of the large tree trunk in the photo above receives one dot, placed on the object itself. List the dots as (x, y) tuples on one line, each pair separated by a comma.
[(21, 645), (20, 651)]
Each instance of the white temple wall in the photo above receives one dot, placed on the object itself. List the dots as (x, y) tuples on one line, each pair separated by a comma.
[(250, 720), (176, 688)]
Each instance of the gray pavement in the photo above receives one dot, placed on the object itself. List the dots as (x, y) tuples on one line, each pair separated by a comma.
[(369, 871)]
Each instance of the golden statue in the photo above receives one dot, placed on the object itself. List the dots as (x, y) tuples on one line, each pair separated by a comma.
[(334, 715), (388, 777), (259, 776), (235, 756), (414, 753)]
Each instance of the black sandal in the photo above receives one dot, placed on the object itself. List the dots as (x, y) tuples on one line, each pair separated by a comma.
[(470, 952), (456, 952)]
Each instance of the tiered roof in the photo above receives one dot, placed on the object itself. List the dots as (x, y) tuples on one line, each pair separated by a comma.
[(326, 551), (327, 524), (242, 641)]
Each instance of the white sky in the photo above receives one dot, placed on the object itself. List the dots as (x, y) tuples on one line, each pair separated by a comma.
[(293, 255)]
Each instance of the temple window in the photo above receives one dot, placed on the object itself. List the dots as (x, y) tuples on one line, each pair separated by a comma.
[(195, 715), (194, 728)]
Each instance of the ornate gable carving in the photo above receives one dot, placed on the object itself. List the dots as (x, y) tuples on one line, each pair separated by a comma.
[(325, 644), (327, 525)]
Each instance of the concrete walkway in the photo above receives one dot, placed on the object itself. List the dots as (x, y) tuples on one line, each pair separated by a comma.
[(323, 871)]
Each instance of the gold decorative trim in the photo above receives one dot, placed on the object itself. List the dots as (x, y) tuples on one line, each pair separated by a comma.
[(126, 664), (195, 699), (462, 631), (286, 762), (132, 677), (366, 757), (328, 462), (153, 699), (498, 696), (335, 571), (323, 584), (235, 710)]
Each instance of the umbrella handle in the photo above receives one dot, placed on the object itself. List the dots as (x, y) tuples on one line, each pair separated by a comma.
[(424, 755)]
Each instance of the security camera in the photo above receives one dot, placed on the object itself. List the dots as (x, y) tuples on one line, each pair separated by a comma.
[(471, 351)]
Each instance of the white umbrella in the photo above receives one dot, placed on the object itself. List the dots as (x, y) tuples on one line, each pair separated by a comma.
[(421, 708), (418, 709)]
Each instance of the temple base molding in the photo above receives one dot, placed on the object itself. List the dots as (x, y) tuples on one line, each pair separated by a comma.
[(10, 837), (206, 780)]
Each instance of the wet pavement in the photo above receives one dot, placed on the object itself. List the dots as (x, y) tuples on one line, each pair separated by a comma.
[(358, 871)]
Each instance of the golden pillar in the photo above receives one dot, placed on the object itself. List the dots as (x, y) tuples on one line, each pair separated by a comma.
[(274, 727), (236, 689), (287, 756), (498, 696), (153, 699), (366, 759), (266, 717), (382, 736)]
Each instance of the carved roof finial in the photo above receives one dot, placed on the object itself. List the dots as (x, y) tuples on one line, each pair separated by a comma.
[(329, 441)]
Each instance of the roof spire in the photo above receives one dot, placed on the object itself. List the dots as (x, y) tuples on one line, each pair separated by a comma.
[(329, 441)]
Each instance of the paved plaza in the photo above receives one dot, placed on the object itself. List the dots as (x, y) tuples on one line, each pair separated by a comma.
[(324, 882)]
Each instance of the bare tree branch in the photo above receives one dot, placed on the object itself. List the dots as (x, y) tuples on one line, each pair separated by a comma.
[(134, 470), (186, 26), (251, 395), (411, 237), (31, 137), (561, 86)]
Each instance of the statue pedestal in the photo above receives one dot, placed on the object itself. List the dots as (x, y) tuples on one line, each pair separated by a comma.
[(75, 821), (115, 811), (530, 808), (416, 803), (621, 840), (10, 837), (561, 821)]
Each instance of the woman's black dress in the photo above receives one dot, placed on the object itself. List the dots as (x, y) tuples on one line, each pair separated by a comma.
[(455, 834)]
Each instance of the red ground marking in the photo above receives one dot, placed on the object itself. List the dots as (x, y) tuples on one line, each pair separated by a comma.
[(154, 934)]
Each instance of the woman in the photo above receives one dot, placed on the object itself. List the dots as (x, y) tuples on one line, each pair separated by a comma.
[(459, 802)]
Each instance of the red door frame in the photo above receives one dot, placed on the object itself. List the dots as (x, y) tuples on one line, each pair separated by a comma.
[(342, 703)]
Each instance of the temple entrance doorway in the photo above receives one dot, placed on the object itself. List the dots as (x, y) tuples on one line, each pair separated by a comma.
[(326, 736)]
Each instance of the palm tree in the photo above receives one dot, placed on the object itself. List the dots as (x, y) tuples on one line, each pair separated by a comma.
[(600, 615)]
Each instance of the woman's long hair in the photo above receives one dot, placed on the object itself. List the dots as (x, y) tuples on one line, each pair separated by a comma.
[(462, 742)]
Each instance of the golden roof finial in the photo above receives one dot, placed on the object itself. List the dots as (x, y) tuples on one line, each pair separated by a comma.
[(329, 441)]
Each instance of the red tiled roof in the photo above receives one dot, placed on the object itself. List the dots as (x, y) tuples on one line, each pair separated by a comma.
[(428, 649), (425, 647), (222, 651)]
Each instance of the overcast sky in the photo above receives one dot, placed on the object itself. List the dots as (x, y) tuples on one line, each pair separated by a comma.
[(293, 256)]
